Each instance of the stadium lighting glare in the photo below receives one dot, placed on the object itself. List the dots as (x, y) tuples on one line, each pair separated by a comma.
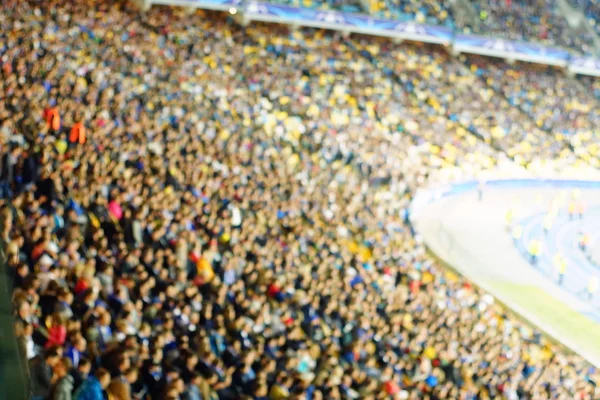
[(232, 11)]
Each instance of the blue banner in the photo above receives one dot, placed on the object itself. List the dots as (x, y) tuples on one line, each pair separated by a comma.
[(585, 66), (355, 23), (511, 49), (220, 5)]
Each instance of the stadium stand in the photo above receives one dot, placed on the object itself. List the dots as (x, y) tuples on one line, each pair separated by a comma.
[(422, 11), (591, 9), (201, 210), (458, 93), (561, 105), (538, 21)]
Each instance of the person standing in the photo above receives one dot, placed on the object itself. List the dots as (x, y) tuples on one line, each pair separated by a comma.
[(535, 249), (572, 209), (93, 388), (580, 209), (480, 188), (584, 240), (517, 233), (7, 172), (78, 133), (63, 381), (509, 218), (81, 372), (52, 116), (561, 267), (41, 370)]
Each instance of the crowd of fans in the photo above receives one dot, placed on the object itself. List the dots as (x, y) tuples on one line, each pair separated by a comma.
[(564, 106), (590, 9), (521, 20), (422, 11), (442, 82), (530, 20), (195, 210)]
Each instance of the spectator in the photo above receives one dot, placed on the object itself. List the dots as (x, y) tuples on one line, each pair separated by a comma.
[(76, 351), (93, 388), (7, 173), (62, 387), (192, 390), (42, 373), (80, 372)]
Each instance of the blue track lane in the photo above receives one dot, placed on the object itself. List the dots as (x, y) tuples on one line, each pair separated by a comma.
[(563, 238)]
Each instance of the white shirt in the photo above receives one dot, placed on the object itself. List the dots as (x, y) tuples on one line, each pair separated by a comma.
[(30, 346), (236, 216)]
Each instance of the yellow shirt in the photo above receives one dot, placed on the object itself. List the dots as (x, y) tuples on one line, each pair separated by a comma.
[(534, 248)]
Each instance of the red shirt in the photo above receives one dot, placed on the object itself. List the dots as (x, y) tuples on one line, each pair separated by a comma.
[(81, 286), (273, 290), (57, 336), (391, 388), (414, 286)]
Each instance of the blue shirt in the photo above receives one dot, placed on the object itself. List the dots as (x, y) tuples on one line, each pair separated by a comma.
[(89, 390), (229, 277), (74, 355)]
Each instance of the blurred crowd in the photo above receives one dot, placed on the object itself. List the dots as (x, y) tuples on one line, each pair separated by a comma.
[(530, 20), (520, 20), (565, 107), (590, 9), (422, 11), (196, 210)]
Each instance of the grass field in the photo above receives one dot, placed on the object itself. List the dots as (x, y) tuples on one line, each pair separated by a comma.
[(535, 307), (560, 320)]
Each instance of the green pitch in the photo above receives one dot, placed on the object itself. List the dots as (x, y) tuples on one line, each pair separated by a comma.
[(562, 319)]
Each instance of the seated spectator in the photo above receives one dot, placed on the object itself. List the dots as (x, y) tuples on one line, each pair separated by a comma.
[(80, 372), (93, 388), (62, 387), (536, 21), (41, 369)]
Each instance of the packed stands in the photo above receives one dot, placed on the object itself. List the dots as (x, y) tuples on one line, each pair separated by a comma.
[(192, 208), (422, 11), (591, 9), (537, 21), (459, 94), (563, 106)]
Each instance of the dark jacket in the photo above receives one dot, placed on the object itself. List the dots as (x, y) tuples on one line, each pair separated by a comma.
[(30, 169), (7, 173), (47, 188), (78, 379), (41, 376)]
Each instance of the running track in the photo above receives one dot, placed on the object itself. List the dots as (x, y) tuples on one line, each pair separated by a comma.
[(563, 238)]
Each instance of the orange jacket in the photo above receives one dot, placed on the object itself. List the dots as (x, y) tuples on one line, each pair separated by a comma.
[(77, 133), (52, 118)]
